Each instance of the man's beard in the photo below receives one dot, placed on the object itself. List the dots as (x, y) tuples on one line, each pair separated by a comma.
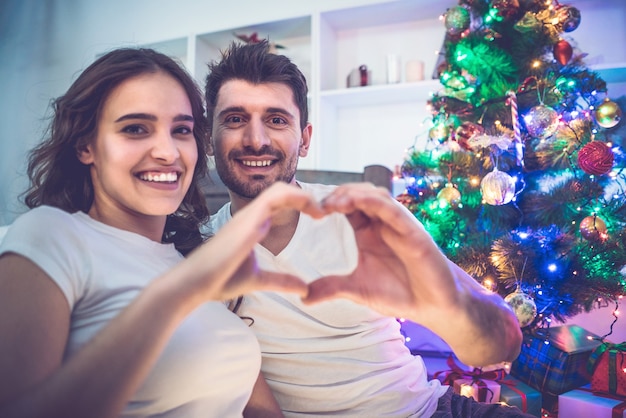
[(251, 187)]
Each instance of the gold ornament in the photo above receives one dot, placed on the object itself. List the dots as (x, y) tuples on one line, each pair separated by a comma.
[(608, 114), (497, 188), (593, 229), (449, 195), (439, 132)]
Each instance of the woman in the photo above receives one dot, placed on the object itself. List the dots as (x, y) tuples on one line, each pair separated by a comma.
[(100, 314)]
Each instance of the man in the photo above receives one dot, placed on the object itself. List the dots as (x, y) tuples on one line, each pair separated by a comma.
[(339, 352)]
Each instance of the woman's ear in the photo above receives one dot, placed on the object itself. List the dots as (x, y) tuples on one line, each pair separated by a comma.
[(85, 154)]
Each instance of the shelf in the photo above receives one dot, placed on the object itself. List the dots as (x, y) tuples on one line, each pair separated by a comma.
[(381, 94), (294, 34), (611, 73)]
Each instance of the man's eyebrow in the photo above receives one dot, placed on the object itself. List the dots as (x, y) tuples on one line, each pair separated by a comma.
[(238, 109), (148, 116), (280, 110)]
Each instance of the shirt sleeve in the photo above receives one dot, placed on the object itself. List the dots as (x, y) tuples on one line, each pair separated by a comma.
[(49, 238)]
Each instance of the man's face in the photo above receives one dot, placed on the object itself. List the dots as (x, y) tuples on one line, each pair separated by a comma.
[(256, 138)]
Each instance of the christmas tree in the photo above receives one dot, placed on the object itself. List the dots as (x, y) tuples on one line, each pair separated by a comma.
[(522, 180)]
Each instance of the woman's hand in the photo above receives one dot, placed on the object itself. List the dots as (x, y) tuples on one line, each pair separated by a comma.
[(224, 267)]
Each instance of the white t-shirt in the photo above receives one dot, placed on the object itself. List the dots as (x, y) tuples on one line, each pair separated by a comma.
[(209, 366), (336, 358)]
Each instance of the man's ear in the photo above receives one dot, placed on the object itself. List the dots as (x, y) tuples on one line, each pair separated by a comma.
[(85, 154), (305, 141)]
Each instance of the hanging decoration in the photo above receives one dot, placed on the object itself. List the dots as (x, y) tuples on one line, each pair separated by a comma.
[(608, 114), (523, 306), (562, 51), (541, 121), (497, 188), (596, 158), (593, 228)]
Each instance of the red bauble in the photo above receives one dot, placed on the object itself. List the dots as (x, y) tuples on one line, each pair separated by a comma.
[(596, 158), (563, 52)]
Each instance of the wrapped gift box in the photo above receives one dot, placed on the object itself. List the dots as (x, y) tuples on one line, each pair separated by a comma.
[(516, 393), (554, 360), (607, 364), (582, 403), (481, 390)]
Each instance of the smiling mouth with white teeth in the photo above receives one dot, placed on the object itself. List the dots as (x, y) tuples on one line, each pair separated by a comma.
[(159, 178), (264, 163)]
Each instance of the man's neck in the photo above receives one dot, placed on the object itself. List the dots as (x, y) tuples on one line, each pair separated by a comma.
[(283, 227)]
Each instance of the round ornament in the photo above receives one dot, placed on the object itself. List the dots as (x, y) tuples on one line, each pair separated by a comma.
[(569, 17), (608, 114), (562, 51), (450, 195), (504, 9), (439, 132), (497, 188), (457, 20), (467, 131), (596, 158), (541, 121), (523, 306), (593, 228)]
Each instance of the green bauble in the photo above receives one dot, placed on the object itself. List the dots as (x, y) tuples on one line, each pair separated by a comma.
[(457, 20)]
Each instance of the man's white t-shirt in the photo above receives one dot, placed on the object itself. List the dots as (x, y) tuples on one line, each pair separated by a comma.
[(335, 358), (212, 360)]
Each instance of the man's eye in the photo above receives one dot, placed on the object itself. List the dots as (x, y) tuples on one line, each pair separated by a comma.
[(234, 119), (278, 121)]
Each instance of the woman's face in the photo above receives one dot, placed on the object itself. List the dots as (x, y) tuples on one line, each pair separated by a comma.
[(143, 157)]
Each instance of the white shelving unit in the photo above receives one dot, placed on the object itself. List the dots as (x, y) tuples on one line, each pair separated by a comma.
[(375, 124)]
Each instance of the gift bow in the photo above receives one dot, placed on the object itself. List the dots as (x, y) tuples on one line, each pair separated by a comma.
[(456, 372), (601, 349), (477, 376)]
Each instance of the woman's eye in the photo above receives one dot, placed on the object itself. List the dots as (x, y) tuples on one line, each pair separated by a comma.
[(134, 130), (183, 130)]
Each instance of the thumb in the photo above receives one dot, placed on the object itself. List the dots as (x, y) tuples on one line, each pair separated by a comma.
[(329, 287), (281, 282)]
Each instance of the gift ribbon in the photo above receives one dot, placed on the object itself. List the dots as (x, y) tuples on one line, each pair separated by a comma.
[(477, 376), (618, 410), (613, 349), (511, 385)]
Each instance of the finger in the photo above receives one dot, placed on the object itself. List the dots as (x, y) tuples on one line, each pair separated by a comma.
[(250, 225), (329, 287), (281, 282), (373, 202)]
